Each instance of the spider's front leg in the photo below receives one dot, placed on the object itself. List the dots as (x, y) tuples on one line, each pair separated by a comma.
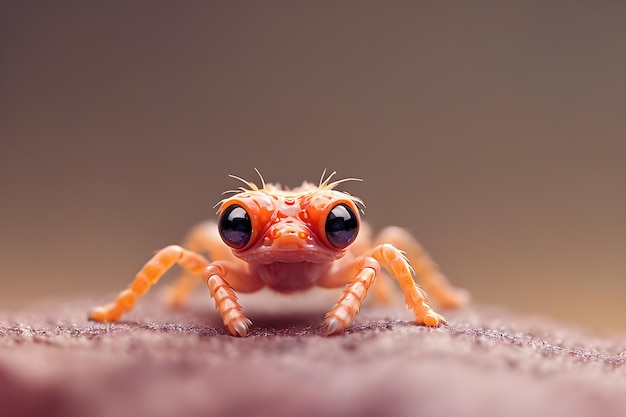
[(223, 278), (432, 279), (365, 269), (149, 275), (399, 268), (202, 238), (215, 275)]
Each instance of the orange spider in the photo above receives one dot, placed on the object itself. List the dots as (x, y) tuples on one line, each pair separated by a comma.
[(291, 240)]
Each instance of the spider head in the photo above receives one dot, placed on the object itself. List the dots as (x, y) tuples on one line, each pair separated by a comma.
[(309, 223)]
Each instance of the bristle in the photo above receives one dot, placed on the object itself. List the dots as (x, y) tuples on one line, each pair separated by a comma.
[(250, 184), (336, 183), (322, 178), (324, 184), (262, 180), (231, 192), (219, 203)]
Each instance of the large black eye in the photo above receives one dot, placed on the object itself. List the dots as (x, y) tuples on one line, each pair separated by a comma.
[(235, 227), (342, 226)]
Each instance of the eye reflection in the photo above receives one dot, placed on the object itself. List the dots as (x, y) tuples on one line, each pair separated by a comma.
[(235, 227), (341, 226)]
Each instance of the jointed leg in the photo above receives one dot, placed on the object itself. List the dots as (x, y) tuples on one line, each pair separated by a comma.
[(433, 281), (223, 292), (151, 272), (202, 238), (366, 269), (381, 290), (397, 265)]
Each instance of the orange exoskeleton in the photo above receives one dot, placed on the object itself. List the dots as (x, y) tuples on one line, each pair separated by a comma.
[(291, 240)]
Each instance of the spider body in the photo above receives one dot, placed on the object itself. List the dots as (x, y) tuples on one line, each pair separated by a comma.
[(291, 240)]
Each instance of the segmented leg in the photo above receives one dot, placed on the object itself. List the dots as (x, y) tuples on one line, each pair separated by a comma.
[(397, 265), (337, 319), (433, 280), (202, 238), (381, 290), (149, 275), (226, 300)]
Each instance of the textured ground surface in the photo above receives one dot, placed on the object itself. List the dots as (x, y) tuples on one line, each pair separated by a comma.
[(161, 362)]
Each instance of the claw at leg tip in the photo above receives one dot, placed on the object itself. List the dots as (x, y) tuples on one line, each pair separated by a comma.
[(433, 320), (332, 325), (97, 314), (241, 327)]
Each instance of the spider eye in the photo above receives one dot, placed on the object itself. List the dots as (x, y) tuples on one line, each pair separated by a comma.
[(235, 227), (342, 226)]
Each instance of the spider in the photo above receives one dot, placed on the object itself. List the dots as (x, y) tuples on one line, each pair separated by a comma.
[(291, 240)]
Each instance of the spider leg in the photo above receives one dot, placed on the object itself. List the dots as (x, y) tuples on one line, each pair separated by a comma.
[(433, 280), (394, 261), (381, 288), (149, 275), (202, 238), (364, 269), (223, 292)]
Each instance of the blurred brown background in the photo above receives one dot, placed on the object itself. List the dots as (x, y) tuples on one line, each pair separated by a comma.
[(496, 133)]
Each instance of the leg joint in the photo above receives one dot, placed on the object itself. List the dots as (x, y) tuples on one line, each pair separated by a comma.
[(175, 251), (388, 252), (213, 269), (369, 262)]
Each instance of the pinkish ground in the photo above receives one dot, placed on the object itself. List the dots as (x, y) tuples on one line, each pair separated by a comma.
[(158, 362)]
